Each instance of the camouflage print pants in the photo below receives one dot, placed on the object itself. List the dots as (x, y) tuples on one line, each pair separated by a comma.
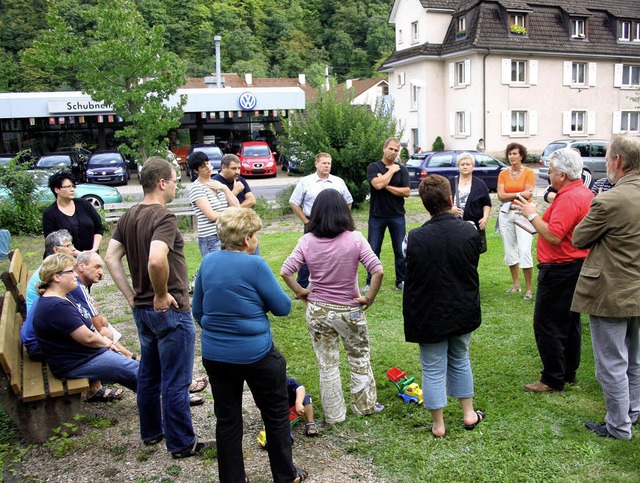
[(327, 323)]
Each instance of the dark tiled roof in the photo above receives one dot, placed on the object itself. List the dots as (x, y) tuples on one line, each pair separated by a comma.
[(548, 28), (440, 4), (358, 87)]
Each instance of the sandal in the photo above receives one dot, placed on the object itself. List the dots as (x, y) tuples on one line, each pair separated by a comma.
[(528, 295), (196, 400), (435, 435), (198, 385), (311, 429), (301, 475), (105, 394), (481, 417), (514, 290)]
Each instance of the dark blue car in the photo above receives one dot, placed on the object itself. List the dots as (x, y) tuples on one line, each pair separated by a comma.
[(444, 163)]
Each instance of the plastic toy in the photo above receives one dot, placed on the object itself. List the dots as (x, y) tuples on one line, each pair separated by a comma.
[(294, 418), (408, 390)]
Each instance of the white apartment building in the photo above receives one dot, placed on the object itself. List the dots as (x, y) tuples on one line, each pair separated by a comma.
[(510, 70)]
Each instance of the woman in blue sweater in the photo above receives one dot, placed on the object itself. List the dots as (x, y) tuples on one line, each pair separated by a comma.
[(232, 294)]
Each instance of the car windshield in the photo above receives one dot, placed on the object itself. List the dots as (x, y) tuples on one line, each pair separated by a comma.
[(212, 152), (252, 151), (414, 162), (105, 160), (52, 161), (553, 147)]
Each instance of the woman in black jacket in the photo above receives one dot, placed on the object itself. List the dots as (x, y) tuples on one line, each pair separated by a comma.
[(441, 303), (471, 200)]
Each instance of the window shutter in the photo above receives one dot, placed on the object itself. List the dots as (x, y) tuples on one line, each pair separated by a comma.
[(591, 122), (616, 126), (533, 72), (617, 75), (592, 74), (467, 123), (452, 74), (467, 72), (452, 124), (506, 123), (506, 71), (566, 72), (533, 123), (566, 122)]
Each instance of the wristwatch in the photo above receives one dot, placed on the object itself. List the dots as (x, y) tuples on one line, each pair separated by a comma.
[(532, 216)]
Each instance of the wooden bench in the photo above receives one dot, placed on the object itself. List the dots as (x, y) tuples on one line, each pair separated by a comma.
[(179, 207), (36, 400)]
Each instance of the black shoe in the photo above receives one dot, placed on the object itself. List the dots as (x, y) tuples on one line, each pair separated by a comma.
[(192, 450), (600, 429), (151, 442)]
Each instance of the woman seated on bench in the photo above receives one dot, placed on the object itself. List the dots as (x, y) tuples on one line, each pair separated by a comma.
[(72, 349)]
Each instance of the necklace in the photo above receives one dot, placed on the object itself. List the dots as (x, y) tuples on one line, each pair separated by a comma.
[(515, 173)]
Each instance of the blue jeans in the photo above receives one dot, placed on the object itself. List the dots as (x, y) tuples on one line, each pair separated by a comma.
[(446, 370), (209, 244), (108, 367), (167, 343), (397, 230), (267, 380)]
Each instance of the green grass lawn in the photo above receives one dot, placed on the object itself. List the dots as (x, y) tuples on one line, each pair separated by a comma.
[(526, 437)]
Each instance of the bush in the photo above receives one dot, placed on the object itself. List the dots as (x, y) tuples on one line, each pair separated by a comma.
[(438, 144), (282, 198), (352, 134), (20, 211)]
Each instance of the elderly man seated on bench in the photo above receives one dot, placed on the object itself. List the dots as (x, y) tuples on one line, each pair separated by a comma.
[(72, 349)]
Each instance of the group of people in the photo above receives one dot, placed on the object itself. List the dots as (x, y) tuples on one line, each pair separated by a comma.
[(585, 247)]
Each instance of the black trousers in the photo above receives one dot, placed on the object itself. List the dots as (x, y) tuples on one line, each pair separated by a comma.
[(267, 380), (557, 329)]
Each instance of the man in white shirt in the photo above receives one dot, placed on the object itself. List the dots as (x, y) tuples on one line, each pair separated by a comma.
[(305, 194)]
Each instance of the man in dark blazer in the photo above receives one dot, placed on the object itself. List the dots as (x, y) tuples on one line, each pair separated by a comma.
[(608, 288)]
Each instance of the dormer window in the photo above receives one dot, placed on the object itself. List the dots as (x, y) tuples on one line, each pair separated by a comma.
[(578, 28), (518, 23), (461, 27), (636, 35), (624, 30)]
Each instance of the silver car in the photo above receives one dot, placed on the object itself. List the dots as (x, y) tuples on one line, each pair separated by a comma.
[(591, 150)]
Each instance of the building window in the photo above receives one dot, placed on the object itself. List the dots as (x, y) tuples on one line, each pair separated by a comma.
[(460, 73), (624, 29), (577, 122), (518, 23), (415, 92), (414, 138), (631, 75), (400, 79), (400, 36), (636, 32), (578, 73), (462, 123), (630, 121), (461, 28), (518, 71), (415, 37), (518, 122), (577, 29)]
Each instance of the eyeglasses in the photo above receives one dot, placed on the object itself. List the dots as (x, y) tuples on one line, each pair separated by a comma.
[(66, 245), (68, 186), (71, 270)]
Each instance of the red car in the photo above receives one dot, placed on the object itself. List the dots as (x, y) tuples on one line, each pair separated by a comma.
[(256, 159)]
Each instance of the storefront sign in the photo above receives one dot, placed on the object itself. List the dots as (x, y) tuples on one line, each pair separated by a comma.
[(247, 101), (75, 106)]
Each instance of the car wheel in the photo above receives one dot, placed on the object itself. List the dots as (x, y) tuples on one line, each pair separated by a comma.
[(95, 201)]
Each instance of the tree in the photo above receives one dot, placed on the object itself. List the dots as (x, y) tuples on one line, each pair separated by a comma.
[(352, 134), (121, 61)]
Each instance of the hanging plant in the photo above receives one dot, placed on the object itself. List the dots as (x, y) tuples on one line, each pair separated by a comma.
[(518, 29)]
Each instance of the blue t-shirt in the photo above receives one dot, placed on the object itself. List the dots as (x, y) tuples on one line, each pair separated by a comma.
[(231, 297), (53, 320)]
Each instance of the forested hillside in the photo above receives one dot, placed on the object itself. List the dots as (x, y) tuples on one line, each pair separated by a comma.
[(269, 38)]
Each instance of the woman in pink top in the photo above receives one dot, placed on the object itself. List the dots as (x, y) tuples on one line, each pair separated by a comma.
[(332, 250)]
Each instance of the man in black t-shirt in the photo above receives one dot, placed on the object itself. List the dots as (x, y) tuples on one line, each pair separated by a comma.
[(389, 187), (229, 175)]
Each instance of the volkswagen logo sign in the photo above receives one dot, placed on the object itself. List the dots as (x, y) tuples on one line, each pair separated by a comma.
[(247, 101)]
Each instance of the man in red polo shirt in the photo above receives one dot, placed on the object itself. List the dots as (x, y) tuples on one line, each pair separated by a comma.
[(556, 327)]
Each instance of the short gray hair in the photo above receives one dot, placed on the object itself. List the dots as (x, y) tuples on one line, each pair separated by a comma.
[(465, 155), (85, 257), (567, 161), (56, 239)]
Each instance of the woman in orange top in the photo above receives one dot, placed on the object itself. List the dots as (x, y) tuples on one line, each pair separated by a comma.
[(515, 183)]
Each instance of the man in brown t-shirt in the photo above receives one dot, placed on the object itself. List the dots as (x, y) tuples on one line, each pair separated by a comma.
[(148, 236)]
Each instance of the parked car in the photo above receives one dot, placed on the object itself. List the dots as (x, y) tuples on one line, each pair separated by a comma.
[(97, 195), (213, 152), (108, 167), (256, 159), (294, 159), (444, 163), (84, 154), (591, 150), (23, 157), (70, 161)]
